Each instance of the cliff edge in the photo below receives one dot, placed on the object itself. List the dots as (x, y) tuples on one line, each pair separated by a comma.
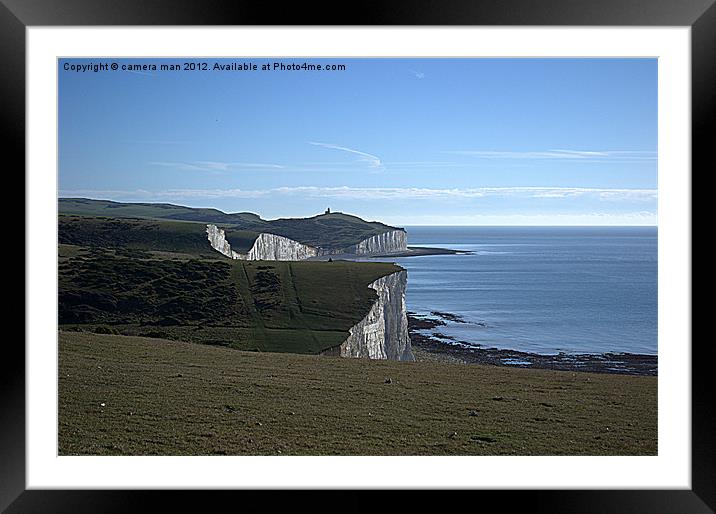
[(383, 332)]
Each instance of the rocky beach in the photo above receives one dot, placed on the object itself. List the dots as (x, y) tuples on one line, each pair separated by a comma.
[(430, 345)]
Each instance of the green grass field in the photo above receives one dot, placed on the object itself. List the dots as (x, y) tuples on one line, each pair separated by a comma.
[(123, 395), (298, 307)]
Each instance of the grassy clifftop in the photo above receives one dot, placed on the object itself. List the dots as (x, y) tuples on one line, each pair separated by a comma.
[(141, 235), (298, 307), (147, 235), (329, 231)]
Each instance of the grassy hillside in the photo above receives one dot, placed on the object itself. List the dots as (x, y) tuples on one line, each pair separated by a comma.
[(331, 231), (299, 307), (107, 208), (138, 396), (146, 235)]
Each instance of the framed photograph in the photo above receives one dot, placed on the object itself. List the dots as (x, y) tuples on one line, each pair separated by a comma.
[(434, 249)]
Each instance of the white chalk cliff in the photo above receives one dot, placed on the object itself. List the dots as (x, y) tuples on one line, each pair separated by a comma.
[(383, 332), (217, 239), (387, 242), (270, 247), (267, 247)]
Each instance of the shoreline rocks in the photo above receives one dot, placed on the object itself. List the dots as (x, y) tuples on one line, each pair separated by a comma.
[(430, 347)]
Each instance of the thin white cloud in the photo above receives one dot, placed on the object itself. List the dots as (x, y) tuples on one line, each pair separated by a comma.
[(256, 165), (638, 218), (401, 193), (586, 155), (397, 193), (170, 194), (214, 165), (426, 164), (372, 160), (418, 74)]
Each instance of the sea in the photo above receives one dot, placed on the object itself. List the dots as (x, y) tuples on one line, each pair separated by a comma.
[(541, 290)]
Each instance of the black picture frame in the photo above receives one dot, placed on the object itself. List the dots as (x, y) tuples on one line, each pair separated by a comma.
[(17, 15)]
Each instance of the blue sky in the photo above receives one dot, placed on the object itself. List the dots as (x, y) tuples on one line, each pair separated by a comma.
[(405, 141)]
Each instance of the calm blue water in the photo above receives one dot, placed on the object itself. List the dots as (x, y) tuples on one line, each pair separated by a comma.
[(541, 289)]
